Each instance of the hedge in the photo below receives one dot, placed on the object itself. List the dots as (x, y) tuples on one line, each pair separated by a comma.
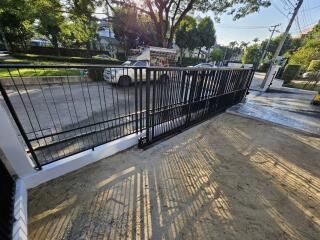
[(187, 61), (264, 67), (290, 72), (314, 66), (35, 57)]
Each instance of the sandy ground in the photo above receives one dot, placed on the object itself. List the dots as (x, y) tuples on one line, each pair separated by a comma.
[(228, 178)]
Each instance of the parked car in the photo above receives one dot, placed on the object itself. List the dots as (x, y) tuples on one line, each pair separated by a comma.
[(104, 56), (204, 65), (124, 76)]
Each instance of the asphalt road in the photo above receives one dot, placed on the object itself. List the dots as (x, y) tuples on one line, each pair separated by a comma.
[(45, 110)]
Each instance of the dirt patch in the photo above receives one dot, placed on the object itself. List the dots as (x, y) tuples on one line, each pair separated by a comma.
[(229, 178)]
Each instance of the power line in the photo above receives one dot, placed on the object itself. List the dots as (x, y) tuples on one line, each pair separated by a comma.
[(243, 27), (278, 9)]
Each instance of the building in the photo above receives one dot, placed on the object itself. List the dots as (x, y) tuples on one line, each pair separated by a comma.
[(107, 40)]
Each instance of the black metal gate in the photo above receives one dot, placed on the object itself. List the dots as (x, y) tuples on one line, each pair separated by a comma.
[(63, 110), (177, 98)]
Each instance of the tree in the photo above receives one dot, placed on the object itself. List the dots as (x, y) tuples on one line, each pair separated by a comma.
[(16, 18), (289, 45), (310, 49), (84, 23), (217, 54), (50, 18), (252, 55), (166, 15), (207, 34), (187, 36), (255, 40), (132, 29)]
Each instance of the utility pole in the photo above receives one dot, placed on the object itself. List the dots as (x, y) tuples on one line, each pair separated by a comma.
[(268, 43), (268, 78)]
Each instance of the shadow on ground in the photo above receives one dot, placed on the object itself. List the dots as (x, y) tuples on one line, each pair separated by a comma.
[(229, 178)]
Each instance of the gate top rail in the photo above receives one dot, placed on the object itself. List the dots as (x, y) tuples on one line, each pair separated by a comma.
[(84, 66)]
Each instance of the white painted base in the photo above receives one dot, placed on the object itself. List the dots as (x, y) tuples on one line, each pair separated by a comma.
[(72, 163), (57, 169), (20, 226)]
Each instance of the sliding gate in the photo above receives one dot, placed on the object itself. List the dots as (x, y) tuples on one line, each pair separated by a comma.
[(177, 98), (63, 110)]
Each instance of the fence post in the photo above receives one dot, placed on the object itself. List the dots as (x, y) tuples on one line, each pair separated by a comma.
[(19, 125), (10, 146)]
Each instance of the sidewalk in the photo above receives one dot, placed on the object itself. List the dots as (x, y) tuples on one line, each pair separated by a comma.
[(289, 109)]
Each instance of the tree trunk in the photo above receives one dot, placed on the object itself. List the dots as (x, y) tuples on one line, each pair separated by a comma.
[(55, 43), (6, 45), (199, 53)]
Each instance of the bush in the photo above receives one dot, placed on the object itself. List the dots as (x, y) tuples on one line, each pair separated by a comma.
[(264, 67), (290, 72), (95, 74), (314, 66), (35, 57)]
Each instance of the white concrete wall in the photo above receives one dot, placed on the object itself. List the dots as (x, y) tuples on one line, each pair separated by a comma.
[(12, 149)]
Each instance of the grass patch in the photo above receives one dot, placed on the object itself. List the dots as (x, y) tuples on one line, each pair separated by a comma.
[(301, 86), (27, 72), (34, 59), (61, 59)]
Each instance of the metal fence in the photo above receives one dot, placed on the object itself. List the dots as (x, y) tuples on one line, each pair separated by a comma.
[(64, 110), (177, 98)]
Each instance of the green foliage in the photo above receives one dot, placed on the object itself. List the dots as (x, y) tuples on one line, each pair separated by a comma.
[(187, 36), (132, 29), (207, 33), (264, 67), (16, 18), (217, 54), (291, 72), (189, 62), (49, 14), (166, 16), (310, 49), (314, 66), (252, 55), (96, 74)]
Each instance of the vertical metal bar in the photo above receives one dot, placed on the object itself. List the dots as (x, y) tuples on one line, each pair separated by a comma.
[(140, 86), (19, 125), (136, 101), (153, 101), (147, 104)]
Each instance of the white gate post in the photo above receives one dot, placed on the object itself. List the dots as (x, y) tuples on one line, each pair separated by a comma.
[(13, 151)]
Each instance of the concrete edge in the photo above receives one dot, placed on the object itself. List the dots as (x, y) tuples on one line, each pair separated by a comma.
[(273, 123), (77, 161), (20, 225), (57, 169)]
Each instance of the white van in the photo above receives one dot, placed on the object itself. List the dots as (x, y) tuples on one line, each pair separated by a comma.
[(145, 57), (125, 76)]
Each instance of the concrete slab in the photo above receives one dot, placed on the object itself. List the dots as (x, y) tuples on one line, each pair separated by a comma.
[(228, 178), (290, 109)]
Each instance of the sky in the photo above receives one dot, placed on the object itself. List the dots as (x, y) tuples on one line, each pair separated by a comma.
[(257, 24)]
